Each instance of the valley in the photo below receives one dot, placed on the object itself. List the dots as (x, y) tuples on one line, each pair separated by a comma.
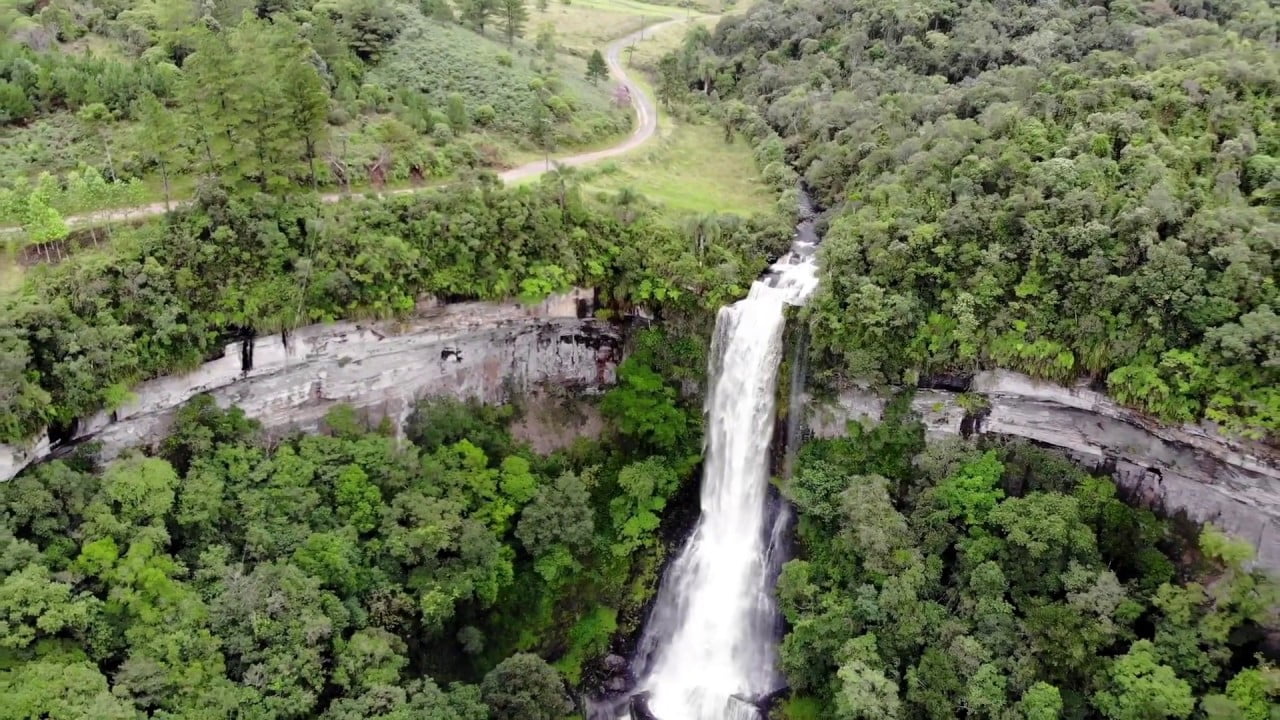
[(622, 360)]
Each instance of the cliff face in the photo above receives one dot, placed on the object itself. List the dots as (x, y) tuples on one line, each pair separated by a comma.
[(1192, 469), (488, 351), (496, 351)]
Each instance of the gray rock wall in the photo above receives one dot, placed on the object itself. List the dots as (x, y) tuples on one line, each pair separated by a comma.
[(492, 351), (487, 351), (1212, 478)]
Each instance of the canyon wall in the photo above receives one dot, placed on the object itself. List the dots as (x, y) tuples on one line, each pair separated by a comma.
[(496, 351), (487, 351), (1192, 469)]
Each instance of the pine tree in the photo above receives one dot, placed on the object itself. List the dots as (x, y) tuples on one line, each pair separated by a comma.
[(477, 12), (157, 138), (95, 117), (597, 70), (540, 127), (307, 100), (514, 17), (456, 110), (542, 5)]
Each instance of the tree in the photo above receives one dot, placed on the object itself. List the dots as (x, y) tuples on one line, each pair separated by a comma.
[(1251, 695), (643, 407), (864, 692), (540, 127), (372, 657), (541, 5), (368, 26), (51, 689), (40, 221), (157, 139), (597, 70), (645, 488), (456, 110), (556, 527), (672, 84), (15, 107), (96, 117), (525, 687), (1041, 701), (546, 42), (972, 493), (1138, 687), (32, 605), (515, 14), (278, 628), (477, 12), (136, 491), (307, 100)]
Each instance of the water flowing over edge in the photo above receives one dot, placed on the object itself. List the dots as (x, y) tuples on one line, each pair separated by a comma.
[(709, 648)]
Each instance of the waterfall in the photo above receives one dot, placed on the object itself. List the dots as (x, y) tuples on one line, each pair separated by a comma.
[(709, 649)]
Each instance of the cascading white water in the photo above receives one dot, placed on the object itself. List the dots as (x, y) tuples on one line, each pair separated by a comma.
[(709, 647)]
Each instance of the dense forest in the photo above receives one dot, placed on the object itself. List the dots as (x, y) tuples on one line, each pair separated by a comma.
[(344, 575), (1003, 582), (1082, 189)]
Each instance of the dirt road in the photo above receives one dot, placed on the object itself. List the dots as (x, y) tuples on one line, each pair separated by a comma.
[(646, 113), (645, 127)]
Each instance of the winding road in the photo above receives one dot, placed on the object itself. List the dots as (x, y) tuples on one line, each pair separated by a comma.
[(645, 128), (646, 113)]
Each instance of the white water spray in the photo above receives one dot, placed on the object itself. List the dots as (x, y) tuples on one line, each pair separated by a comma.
[(709, 649)]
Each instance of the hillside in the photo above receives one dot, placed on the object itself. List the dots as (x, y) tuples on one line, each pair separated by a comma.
[(1075, 190), (373, 95)]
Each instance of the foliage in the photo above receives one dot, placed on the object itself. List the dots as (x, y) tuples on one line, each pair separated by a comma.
[(997, 582), (439, 61), (1070, 190), (644, 407), (596, 68), (524, 687), (176, 293), (324, 576)]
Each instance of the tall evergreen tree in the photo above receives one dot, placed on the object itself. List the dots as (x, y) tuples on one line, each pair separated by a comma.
[(597, 70), (514, 17), (476, 13), (157, 138), (308, 104)]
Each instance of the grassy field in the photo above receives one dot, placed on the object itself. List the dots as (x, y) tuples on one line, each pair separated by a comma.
[(690, 168), (648, 52), (581, 28)]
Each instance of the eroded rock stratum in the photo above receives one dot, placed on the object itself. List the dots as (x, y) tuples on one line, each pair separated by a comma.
[(488, 351), (1191, 468), (497, 351)]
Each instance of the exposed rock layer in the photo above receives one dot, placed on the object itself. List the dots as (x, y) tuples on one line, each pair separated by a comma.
[(488, 351), (1192, 468), (496, 351)]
